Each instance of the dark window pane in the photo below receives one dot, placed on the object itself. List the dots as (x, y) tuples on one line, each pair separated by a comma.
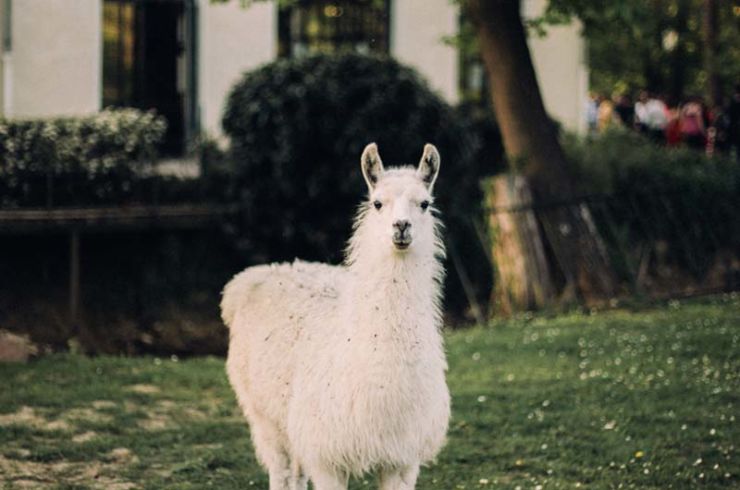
[(145, 63), (331, 26), (118, 53)]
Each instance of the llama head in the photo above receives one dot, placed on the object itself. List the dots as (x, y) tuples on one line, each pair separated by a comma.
[(399, 207)]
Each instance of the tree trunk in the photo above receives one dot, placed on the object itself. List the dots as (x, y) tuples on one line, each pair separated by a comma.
[(711, 23), (651, 64), (677, 82), (532, 147), (523, 280)]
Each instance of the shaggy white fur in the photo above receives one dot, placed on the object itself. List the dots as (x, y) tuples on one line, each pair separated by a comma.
[(340, 370)]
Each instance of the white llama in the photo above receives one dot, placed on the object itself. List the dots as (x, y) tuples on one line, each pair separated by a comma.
[(340, 370)]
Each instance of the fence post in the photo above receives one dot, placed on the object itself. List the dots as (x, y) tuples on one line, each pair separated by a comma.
[(523, 280), (74, 275)]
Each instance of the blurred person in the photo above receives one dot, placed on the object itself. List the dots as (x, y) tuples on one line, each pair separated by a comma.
[(673, 129), (733, 123), (655, 118), (625, 110), (592, 112), (692, 125), (641, 111), (607, 117), (718, 134)]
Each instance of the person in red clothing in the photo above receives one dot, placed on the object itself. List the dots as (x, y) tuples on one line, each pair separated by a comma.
[(672, 129), (691, 124)]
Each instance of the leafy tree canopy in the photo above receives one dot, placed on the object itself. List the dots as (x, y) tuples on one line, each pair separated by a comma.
[(653, 44)]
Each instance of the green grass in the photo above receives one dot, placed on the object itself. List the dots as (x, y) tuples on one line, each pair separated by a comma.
[(620, 399)]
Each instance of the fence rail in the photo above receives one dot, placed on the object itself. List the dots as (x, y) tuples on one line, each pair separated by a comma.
[(133, 217), (659, 244)]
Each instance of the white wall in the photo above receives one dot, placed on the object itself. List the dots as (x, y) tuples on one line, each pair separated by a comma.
[(2, 58), (55, 67), (417, 29), (559, 60), (56, 58), (418, 26), (232, 40)]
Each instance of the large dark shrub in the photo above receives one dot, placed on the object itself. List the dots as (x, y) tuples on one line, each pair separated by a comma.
[(297, 128), (76, 160)]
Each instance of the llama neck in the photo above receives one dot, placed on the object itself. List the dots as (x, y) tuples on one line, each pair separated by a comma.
[(394, 293)]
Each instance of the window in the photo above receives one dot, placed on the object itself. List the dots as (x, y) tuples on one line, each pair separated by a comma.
[(118, 53), (332, 26), (149, 62)]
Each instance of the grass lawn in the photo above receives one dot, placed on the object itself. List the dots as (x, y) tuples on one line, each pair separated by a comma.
[(619, 399)]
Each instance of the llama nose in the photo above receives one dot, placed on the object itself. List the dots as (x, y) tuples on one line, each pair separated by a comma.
[(402, 225)]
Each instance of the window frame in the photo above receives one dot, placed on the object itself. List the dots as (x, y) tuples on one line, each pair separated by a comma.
[(190, 117), (286, 41)]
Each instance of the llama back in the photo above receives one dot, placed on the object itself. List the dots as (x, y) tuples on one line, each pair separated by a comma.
[(288, 282), (270, 309), (234, 293)]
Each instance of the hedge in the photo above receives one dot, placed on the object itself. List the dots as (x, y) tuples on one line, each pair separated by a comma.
[(83, 160), (677, 196), (297, 128)]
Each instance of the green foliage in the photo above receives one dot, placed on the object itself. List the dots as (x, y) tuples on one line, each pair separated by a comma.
[(625, 161), (675, 195), (297, 128), (86, 159), (644, 399), (635, 44)]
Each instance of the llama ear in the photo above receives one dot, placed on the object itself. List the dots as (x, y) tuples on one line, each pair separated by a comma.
[(372, 165), (429, 165)]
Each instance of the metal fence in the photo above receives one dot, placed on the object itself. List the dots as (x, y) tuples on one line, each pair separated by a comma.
[(661, 245)]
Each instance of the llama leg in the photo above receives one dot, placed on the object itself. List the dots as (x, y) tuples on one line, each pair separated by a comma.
[(399, 479), (299, 480), (299, 483), (323, 479), (271, 453)]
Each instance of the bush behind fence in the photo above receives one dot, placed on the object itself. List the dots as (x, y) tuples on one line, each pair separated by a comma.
[(668, 217)]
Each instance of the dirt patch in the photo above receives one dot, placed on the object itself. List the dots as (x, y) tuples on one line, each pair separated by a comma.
[(166, 406), (195, 414), (103, 404), (84, 437), (87, 415), (57, 425), (30, 484), (144, 389), (155, 422), (92, 474), (24, 416), (27, 416), (122, 455)]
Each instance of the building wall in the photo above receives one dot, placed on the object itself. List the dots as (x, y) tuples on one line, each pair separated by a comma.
[(56, 57), (232, 40), (559, 60), (2, 58), (417, 30), (55, 67)]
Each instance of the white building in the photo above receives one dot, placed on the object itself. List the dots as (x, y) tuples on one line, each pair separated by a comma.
[(69, 57)]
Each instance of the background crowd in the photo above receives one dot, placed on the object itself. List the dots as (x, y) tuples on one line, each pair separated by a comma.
[(690, 122)]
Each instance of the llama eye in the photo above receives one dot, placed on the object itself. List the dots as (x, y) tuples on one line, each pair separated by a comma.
[(378, 204), (424, 205)]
